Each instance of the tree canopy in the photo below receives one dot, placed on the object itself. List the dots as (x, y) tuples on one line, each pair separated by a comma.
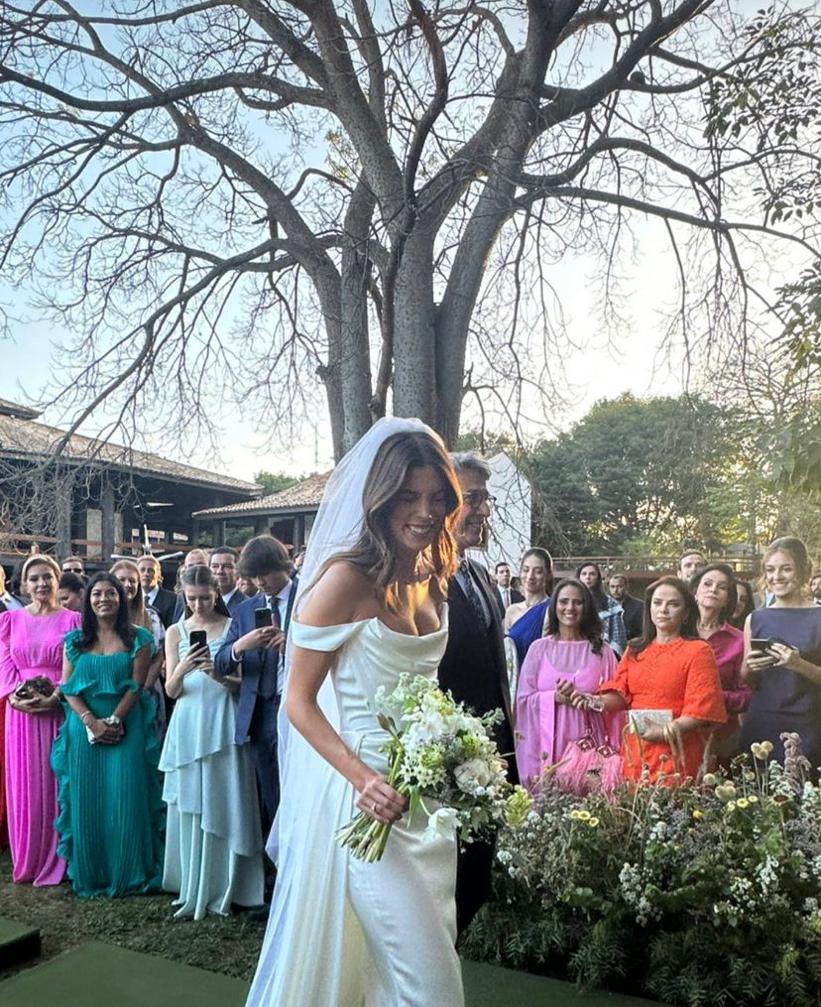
[(649, 475), (378, 196)]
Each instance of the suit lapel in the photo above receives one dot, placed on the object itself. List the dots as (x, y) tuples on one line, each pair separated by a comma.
[(496, 632)]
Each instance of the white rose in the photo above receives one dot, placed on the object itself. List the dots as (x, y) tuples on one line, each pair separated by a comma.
[(472, 776), (441, 824)]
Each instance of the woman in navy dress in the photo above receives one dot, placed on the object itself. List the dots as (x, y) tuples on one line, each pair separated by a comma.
[(786, 676)]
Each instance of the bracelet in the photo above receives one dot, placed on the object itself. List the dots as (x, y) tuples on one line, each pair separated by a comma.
[(113, 719), (89, 714)]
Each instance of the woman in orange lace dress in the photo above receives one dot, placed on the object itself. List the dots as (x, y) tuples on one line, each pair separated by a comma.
[(671, 672)]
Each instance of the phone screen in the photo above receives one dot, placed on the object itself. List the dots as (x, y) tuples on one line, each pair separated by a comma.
[(760, 644), (198, 638), (262, 618)]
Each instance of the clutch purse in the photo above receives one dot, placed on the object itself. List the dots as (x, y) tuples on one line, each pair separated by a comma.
[(33, 688)]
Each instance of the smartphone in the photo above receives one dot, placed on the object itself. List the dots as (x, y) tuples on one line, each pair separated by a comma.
[(761, 644), (263, 617), (198, 638)]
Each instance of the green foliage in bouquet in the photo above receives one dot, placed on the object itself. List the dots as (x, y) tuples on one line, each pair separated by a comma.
[(706, 895)]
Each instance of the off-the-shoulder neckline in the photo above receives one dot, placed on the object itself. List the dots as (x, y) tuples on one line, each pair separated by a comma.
[(395, 632)]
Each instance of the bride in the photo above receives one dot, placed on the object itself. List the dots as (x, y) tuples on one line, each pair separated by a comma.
[(343, 933)]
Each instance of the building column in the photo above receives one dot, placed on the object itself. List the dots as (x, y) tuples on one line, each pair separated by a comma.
[(63, 501), (108, 532)]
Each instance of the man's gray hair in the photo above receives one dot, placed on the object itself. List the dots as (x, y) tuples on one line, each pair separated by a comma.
[(469, 461)]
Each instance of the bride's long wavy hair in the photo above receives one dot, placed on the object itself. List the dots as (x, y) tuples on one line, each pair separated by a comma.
[(374, 552)]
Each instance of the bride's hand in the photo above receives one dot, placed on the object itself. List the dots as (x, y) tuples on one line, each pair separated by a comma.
[(381, 801)]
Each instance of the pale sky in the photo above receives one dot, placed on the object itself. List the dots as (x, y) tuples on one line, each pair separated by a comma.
[(593, 370)]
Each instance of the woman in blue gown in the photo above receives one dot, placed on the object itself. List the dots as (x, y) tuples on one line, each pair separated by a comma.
[(786, 675), (110, 819)]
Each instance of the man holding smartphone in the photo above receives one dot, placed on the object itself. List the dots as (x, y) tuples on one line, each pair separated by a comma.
[(255, 647)]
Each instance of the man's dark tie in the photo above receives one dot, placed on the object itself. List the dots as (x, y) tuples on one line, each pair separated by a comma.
[(274, 605), (472, 593)]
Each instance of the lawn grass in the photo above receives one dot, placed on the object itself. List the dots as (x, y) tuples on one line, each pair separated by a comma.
[(140, 923)]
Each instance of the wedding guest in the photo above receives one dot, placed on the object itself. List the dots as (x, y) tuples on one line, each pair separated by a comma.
[(610, 611), (815, 588), (572, 656), (473, 667), (213, 848), (689, 564), (669, 670), (7, 599), (632, 608), (506, 594), (105, 756), (714, 587), (536, 578), (259, 654), (745, 604), (31, 646), (247, 586), (71, 591), (128, 574), (785, 672), (223, 564), (75, 565), (194, 557), (156, 596)]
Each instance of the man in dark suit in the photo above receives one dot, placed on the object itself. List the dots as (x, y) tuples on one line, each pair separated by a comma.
[(162, 601), (223, 563), (618, 586), (473, 667), (505, 594), (260, 656)]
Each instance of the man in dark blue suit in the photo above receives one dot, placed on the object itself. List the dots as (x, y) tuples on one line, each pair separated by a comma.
[(259, 655)]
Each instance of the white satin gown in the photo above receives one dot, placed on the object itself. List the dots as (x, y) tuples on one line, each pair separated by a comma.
[(343, 933)]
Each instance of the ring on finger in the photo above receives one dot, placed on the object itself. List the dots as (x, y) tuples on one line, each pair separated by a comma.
[(374, 807)]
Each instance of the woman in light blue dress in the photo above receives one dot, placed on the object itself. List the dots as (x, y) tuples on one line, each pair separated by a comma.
[(213, 851)]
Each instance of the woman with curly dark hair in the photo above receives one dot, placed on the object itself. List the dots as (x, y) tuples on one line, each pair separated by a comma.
[(105, 756), (572, 656)]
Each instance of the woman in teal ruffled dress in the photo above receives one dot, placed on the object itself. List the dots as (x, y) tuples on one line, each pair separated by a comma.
[(105, 757)]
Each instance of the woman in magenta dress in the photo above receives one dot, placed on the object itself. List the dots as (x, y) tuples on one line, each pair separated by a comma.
[(31, 644), (715, 592), (572, 656)]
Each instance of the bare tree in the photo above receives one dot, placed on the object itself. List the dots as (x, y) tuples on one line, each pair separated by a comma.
[(259, 188)]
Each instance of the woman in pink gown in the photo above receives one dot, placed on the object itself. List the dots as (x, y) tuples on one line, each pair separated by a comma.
[(571, 656), (31, 644)]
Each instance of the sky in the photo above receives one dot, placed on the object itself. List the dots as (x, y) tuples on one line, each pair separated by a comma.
[(593, 370)]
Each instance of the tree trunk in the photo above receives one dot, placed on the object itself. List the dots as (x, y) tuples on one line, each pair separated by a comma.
[(414, 351)]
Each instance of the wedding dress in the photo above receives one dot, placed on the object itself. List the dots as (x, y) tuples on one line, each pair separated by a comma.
[(343, 933)]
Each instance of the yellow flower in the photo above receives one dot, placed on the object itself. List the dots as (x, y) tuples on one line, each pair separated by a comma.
[(573, 815), (593, 822), (752, 799), (584, 815), (698, 814), (742, 802)]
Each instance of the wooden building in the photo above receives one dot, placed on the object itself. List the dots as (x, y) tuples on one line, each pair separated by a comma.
[(287, 515), (97, 498)]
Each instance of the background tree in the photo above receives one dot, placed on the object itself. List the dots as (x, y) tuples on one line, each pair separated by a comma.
[(362, 191), (274, 482)]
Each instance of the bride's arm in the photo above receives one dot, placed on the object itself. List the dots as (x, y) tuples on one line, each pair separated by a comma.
[(342, 595)]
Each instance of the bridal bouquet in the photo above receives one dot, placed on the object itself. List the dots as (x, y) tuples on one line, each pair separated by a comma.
[(438, 751)]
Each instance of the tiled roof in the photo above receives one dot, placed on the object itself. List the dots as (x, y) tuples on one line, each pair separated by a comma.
[(8, 408), (23, 438), (301, 496)]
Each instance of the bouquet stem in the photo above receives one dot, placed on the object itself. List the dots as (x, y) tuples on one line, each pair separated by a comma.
[(365, 837)]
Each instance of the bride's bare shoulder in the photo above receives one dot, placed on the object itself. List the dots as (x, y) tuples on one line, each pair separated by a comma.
[(341, 595)]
